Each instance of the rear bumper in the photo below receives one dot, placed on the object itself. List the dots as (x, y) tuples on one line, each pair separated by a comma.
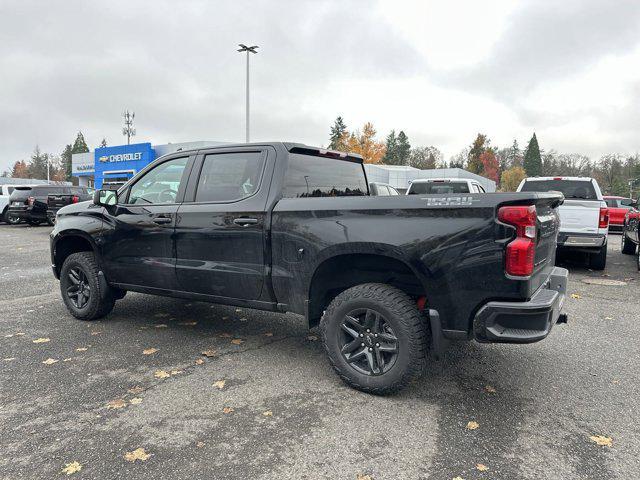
[(523, 322), (581, 240)]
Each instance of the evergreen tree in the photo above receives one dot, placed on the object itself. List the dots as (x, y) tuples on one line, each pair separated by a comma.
[(37, 166), (478, 147), (79, 145), (514, 156), (532, 159), (336, 135), (391, 152), (65, 159), (403, 149)]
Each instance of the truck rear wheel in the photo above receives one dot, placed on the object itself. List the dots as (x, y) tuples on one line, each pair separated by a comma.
[(376, 338), (598, 261), (85, 295), (627, 247)]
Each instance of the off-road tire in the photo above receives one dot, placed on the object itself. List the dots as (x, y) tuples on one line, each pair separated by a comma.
[(627, 247), (101, 299), (598, 261), (402, 315)]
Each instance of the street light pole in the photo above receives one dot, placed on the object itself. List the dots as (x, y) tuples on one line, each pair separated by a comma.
[(244, 48)]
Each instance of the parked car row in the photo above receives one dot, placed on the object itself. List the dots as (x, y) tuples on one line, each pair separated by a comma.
[(36, 204)]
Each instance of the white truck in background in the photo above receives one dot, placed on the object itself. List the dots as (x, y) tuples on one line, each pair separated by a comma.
[(584, 216), (5, 193)]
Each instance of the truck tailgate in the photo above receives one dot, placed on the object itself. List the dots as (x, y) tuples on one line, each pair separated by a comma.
[(579, 216), (55, 202)]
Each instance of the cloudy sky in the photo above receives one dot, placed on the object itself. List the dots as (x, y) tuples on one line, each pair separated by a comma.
[(440, 70)]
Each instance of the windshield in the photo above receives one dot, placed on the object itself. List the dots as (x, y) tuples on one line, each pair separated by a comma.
[(421, 188), (582, 189)]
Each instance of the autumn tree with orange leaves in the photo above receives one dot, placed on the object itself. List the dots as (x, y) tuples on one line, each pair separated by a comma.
[(364, 143)]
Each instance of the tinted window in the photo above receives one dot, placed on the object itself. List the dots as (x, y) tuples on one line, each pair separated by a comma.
[(422, 188), (20, 193), (159, 185), (570, 188), (611, 202), (309, 176), (227, 177)]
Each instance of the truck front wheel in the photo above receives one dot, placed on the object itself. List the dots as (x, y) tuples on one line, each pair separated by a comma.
[(376, 338), (84, 294)]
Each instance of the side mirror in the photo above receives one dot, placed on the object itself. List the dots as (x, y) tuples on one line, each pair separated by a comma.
[(105, 198)]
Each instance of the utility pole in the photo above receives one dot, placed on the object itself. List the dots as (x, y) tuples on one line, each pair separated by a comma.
[(128, 129), (244, 48)]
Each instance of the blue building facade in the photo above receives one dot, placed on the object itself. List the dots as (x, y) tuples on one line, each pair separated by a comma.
[(115, 165)]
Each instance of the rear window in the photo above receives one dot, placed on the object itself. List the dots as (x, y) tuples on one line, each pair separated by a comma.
[(309, 176), (422, 188), (20, 193), (579, 189), (49, 190)]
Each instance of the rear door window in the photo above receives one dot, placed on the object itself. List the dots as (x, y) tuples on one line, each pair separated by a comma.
[(311, 176), (571, 189), (229, 177)]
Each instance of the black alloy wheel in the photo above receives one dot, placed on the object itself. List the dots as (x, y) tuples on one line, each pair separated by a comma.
[(79, 290), (367, 342), (12, 219)]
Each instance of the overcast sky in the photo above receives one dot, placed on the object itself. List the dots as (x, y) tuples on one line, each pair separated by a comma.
[(442, 71)]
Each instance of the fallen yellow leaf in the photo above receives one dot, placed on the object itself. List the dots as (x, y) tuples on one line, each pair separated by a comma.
[(225, 335), (237, 341), (19, 334), (227, 410), (82, 349), (50, 361), (67, 359), (149, 351), (576, 295), (268, 334), (137, 454), (161, 374), (200, 444), (268, 413), (41, 340), (188, 324), (602, 440), (71, 468), (96, 332), (482, 467), (135, 390), (161, 325), (175, 372), (489, 389), (199, 361), (117, 403), (209, 353), (135, 401), (472, 425), (219, 384)]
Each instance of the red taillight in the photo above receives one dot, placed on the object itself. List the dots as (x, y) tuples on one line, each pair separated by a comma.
[(31, 201), (75, 199), (520, 252), (557, 178), (603, 222)]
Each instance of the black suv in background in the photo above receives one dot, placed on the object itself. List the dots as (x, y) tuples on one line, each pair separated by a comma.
[(29, 203)]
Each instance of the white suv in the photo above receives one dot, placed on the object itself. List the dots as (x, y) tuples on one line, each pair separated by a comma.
[(584, 216), (5, 193), (427, 186)]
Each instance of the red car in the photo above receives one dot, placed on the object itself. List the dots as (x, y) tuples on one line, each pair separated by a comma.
[(630, 234), (618, 208)]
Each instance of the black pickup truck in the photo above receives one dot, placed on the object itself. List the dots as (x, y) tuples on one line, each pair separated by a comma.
[(291, 228), (55, 201)]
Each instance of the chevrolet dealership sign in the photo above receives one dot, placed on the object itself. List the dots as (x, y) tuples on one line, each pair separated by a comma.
[(121, 157)]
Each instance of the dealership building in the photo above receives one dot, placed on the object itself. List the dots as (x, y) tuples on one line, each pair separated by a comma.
[(115, 165)]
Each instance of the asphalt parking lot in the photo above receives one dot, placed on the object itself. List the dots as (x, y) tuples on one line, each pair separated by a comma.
[(133, 396)]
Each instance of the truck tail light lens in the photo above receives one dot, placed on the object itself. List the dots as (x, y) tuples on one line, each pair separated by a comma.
[(520, 253), (603, 222), (75, 199), (31, 201)]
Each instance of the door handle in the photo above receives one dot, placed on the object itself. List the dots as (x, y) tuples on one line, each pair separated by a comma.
[(161, 220), (244, 221)]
